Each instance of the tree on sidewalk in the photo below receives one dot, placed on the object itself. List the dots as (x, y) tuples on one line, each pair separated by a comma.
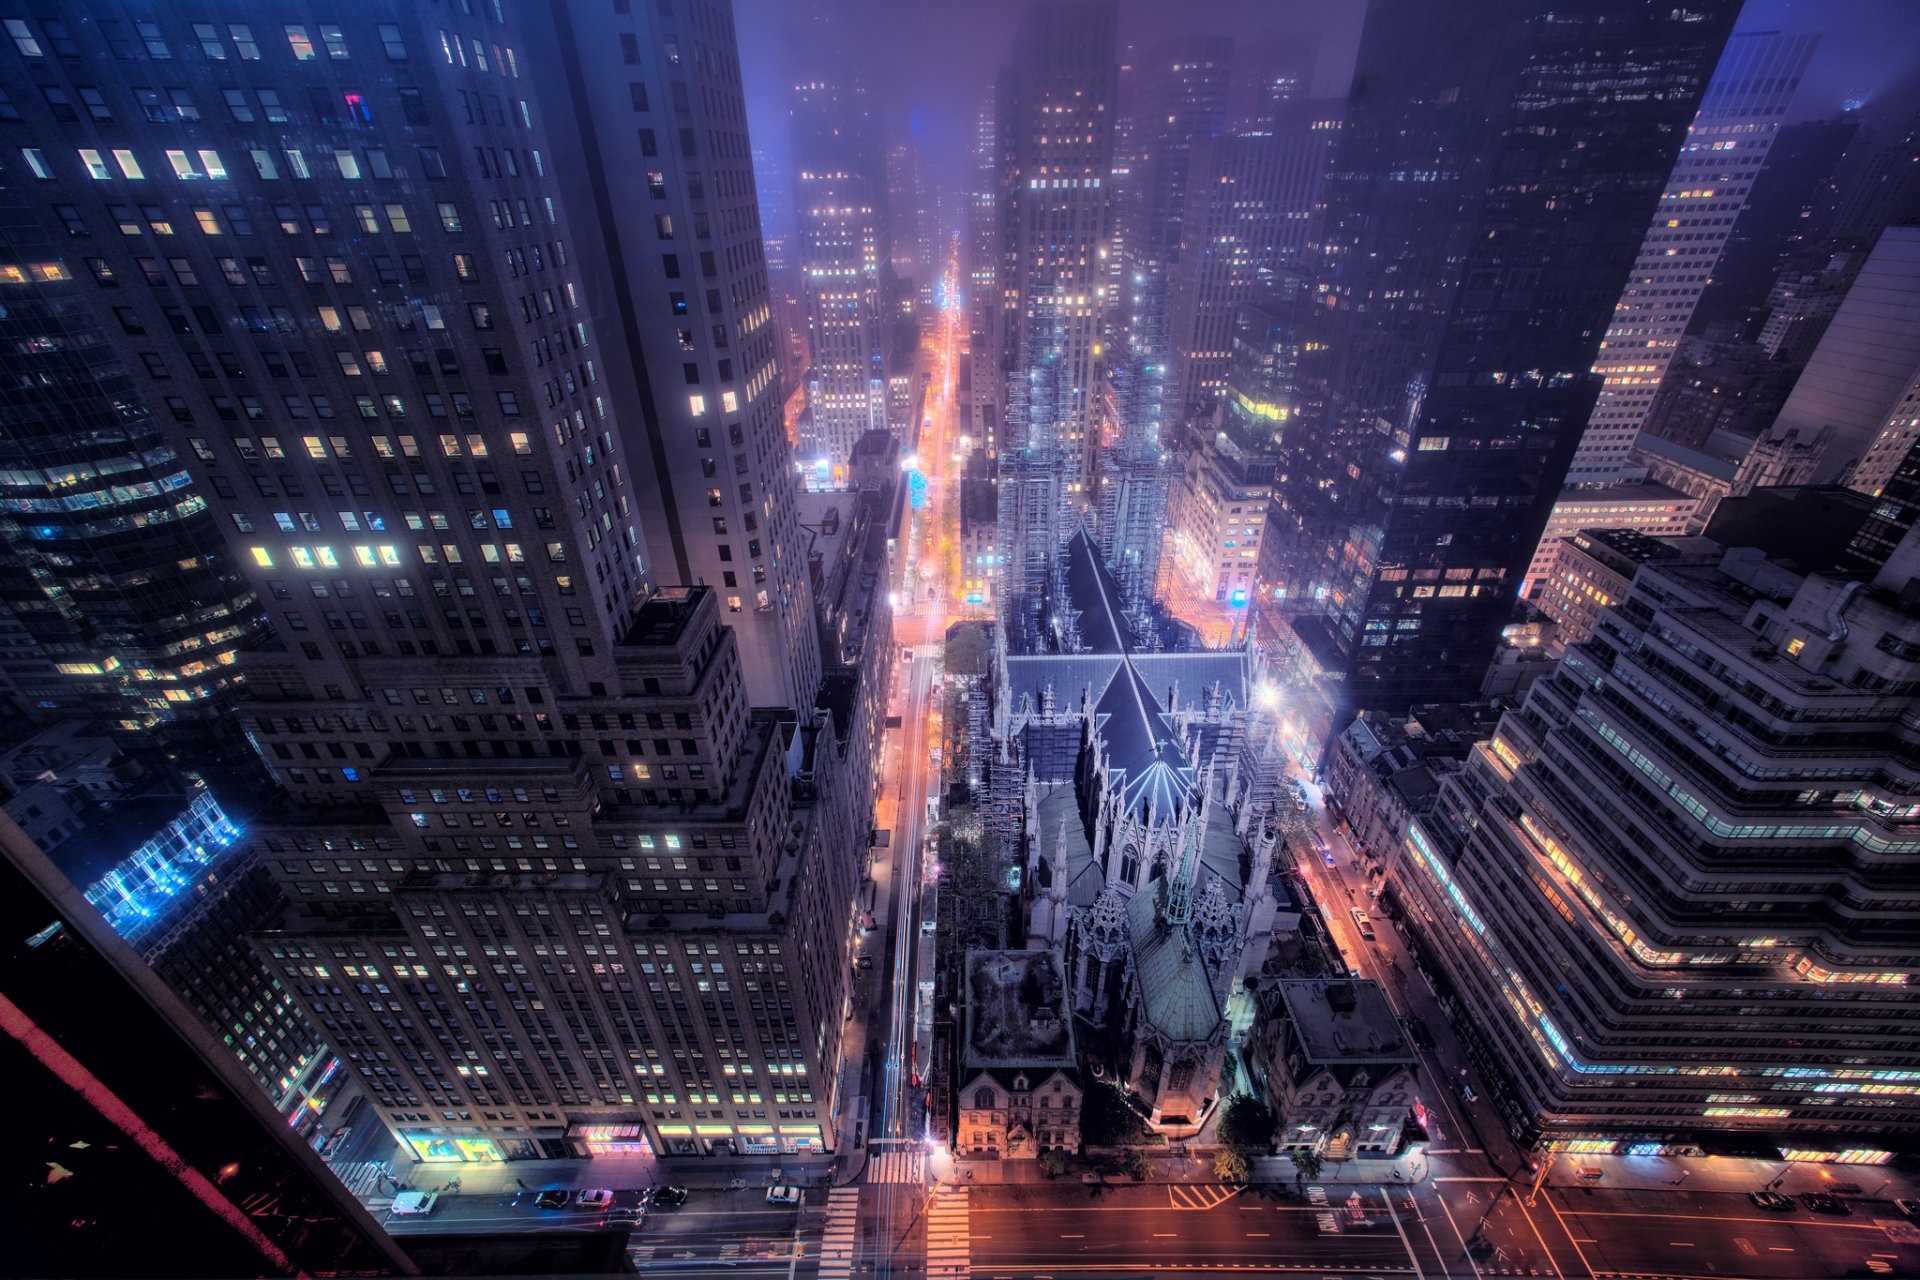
[(1139, 1164), (1053, 1162), (1247, 1125), (1229, 1165), (1308, 1163)]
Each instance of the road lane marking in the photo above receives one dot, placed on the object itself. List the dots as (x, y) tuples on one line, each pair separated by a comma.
[(1679, 1244), (1779, 1248), (1164, 1235), (1258, 1235), (1073, 1237)]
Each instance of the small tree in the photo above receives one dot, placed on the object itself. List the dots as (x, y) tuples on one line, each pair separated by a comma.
[(1247, 1125), (1229, 1165), (1138, 1163), (1053, 1162), (1307, 1162)]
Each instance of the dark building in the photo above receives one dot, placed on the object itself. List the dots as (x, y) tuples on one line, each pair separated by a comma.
[(1494, 178), (111, 559), (160, 1135)]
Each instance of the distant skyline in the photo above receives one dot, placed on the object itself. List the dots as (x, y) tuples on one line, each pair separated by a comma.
[(1870, 51)]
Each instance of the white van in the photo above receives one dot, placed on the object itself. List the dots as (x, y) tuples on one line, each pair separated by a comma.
[(414, 1203)]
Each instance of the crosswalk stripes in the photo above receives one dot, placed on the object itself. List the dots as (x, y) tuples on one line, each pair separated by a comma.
[(840, 1241), (361, 1178), (897, 1166), (949, 1252), (1199, 1195)]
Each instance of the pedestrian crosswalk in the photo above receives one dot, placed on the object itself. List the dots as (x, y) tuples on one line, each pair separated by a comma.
[(841, 1238), (897, 1166), (1199, 1195), (362, 1178), (949, 1252)]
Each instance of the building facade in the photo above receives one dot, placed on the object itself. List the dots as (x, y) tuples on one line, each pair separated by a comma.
[(1445, 394), (1627, 889), (845, 266), (1019, 1078), (1705, 195), (1337, 1068)]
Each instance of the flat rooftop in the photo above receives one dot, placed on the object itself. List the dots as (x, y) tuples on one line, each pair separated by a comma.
[(659, 622), (1016, 1010), (1344, 1021)]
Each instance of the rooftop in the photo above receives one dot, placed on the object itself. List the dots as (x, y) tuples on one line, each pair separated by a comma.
[(1016, 1010), (659, 622), (1343, 1021)]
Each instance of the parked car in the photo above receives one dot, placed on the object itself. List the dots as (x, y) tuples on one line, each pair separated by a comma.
[(670, 1197), (1772, 1201), (1821, 1202), (866, 962), (1909, 1209), (595, 1198), (551, 1200), (409, 1204), (783, 1195), (635, 1213)]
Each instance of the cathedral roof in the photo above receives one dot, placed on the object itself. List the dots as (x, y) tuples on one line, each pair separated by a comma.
[(1176, 991), (1143, 748), (1096, 595)]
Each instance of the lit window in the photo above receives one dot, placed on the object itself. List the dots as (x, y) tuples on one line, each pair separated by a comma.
[(262, 557), (96, 167), (302, 46), (697, 405), (210, 161), (729, 402), (128, 165)]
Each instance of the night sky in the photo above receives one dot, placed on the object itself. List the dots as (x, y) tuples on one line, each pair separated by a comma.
[(928, 62)]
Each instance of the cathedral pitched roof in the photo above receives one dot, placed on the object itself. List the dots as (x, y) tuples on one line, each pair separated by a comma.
[(1176, 991), (1096, 595), (1143, 749)]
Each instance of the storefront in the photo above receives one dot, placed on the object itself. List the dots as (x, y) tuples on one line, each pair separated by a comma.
[(439, 1148), (609, 1140), (758, 1140)]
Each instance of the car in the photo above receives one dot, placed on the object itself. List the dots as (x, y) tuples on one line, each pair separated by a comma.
[(1467, 1094), (783, 1195), (1909, 1209), (670, 1197), (1772, 1201), (929, 926), (1821, 1202), (1328, 855), (594, 1198), (627, 1213), (551, 1200), (866, 962), (414, 1203)]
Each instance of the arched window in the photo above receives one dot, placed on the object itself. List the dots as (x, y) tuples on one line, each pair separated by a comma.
[(983, 1100), (1130, 864)]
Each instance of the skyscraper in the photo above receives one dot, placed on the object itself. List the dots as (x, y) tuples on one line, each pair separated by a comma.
[(678, 261), (1180, 94), (1718, 162), (1249, 218), (1445, 368), (845, 271), (445, 397), (1056, 113)]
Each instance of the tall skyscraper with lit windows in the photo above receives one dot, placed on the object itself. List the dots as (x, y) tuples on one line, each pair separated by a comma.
[(449, 354), (1057, 116), (845, 266)]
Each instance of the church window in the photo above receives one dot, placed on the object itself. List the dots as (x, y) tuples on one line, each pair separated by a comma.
[(1181, 1076), (983, 1100)]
